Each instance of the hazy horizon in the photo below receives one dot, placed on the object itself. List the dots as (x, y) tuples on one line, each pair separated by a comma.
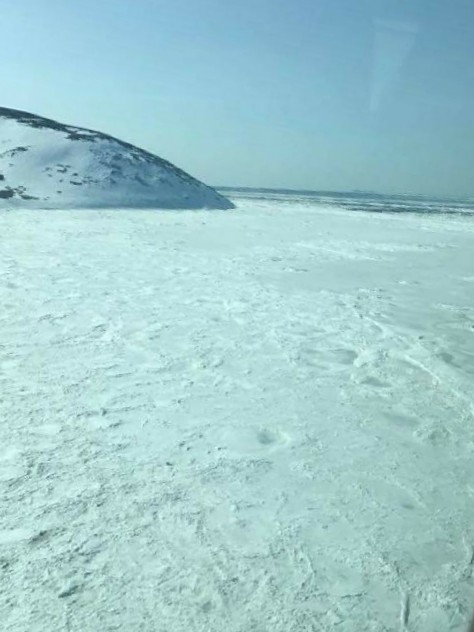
[(368, 192), (341, 96)]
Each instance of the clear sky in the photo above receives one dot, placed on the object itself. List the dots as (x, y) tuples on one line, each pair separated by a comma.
[(320, 94)]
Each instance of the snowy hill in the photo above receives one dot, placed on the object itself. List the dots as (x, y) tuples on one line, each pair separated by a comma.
[(45, 164)]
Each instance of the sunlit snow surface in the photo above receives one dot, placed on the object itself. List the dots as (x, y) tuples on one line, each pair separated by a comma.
[(258, 420)]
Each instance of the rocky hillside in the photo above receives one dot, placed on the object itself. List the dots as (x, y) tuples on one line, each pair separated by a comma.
[(46, 164)]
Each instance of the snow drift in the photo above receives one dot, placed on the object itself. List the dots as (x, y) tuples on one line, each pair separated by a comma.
[(46, 164)]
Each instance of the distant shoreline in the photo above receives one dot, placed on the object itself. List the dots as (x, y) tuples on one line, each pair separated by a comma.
[(345, 194)]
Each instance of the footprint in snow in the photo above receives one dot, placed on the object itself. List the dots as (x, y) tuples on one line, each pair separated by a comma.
[(268, 438)]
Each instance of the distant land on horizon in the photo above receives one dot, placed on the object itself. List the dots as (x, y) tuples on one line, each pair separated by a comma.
[(353, 193)]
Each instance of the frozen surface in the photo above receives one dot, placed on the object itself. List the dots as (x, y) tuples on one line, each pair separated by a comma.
[(46, 164), (251, 421)]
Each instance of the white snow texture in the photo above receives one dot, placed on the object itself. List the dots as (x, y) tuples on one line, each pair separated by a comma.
[(45, 164), (257, 421)]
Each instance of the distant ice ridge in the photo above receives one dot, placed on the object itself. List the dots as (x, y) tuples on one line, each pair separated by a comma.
[(45, 164), (361, 200)]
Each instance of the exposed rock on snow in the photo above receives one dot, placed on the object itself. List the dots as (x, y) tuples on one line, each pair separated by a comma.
[(45, 164)]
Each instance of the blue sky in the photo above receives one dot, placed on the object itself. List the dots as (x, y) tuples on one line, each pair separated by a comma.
[(321, 94)]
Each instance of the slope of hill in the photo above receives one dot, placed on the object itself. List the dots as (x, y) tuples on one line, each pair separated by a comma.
[(45, 164)]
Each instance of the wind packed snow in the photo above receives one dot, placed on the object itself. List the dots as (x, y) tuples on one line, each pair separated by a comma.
[(251, 421), (45, 164)]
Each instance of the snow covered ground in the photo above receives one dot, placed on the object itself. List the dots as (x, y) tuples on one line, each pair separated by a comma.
[(259, 420)]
